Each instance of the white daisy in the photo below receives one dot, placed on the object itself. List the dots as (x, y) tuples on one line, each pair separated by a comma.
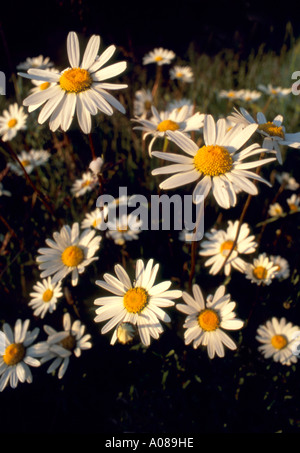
[(249, 95), (273, 132), (39, 62), (262, 271), (125, 332), (95, 219), (274, 91), (44, 297), (229, 94), (79, 87), (282, 267), (18, 353), (41, 86), (293, 202), (179, 103), (159, 56), (72, 340), (70, 252), (143, 100), (218, 164), (138, 303), (12, 120), (277, 337), (124, 228), (275, 210), (30, 160), (184, 73), (176, 120), (219, 244), (7, 193), (289, 181), (86, 183), (205, 322)]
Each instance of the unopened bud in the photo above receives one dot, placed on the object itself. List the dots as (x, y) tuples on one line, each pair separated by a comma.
[(96, 165)]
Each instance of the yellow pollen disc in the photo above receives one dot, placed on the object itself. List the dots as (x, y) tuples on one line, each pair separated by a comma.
[(167, 125), (231, 94), (75, 80), (25, 162), (85, 183), (271, 129), (260, 272), (158, 58), (72, 256), (278, 341), (179, 74), (208, 320), (293, 207), (226, 247), (135, 300), (47, 296), (69, 342), (213, 160), (12, 122), (14, 353), (96, 222), (44, 86)]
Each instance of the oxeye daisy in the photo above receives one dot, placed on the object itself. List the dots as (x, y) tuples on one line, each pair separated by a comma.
[(39, 85), (229, 94), (161, 122), (273, 132), (159, 56), (219, 244), (124, 228), (177, 104), (18, 353), (274, 91), (12, 120), (207, 321), (29, 160), (262, 271), (183, 73), (277, 337), (39, 62), (139, 303), (293, 202), (72, 340), (249, 95), (217, 166), (80, 87), (275, 210), (288, 181), (44, 297), (86, 183), (69, 252), (282, 267), (143, 100), (95, 219)]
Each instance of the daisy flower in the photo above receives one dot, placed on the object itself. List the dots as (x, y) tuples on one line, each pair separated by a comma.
[(274, 91), (18, 353), (289, 181), (95, 219), (142, 103), (69, 252), (138, 303), (282, 267), (273, 132), (124, 228), (206, 322), (12, 120), (177, 104), (159, 56), (275, 210), (30, 160), (277, 337), (176, 120), (86, 183), (44, 297), (125, 332), (72, 340), (96, 165), (217, 166), (39, 85), (81, 88), (219, 244), (7, 193), (39, 62), (249, 95), (293, 202), (229, 94), (184, 73), (262, 271)]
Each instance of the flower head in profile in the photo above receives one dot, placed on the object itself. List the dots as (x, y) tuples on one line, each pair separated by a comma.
[(207, 321), (262, 271), (142, 103), (177, 120), (282, 267), (275, 210), (139, 303), (29, 160), (39, 62), (293, 202), (159, 56), (274, 91), (220, 242), (86, 183), (277, 337), (44, 297), (183, 73), (62, 345), (69, 253), (13, 119), (229, 94), (124, 228), (287, 180), (80, 88), (19, 352), (95, 219), (218, 165), (249, 95)]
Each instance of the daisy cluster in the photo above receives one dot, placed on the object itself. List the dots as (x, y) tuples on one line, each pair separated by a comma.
[(226, 160)]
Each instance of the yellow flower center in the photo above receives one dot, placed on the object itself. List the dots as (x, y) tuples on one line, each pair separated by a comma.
[(278, 341), (260, 272), (69, 342), (213, 160), (167, 125), (14, 353), (231, 94), (86, 183), (271, 129), (96, 222), (293, 207), (47, 296), (44, 86), (135, 300), (158, 58), (12, 122), (208, 320), (25, 162), (226, 247), (75, 80), (72, 256), (179, 74)]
